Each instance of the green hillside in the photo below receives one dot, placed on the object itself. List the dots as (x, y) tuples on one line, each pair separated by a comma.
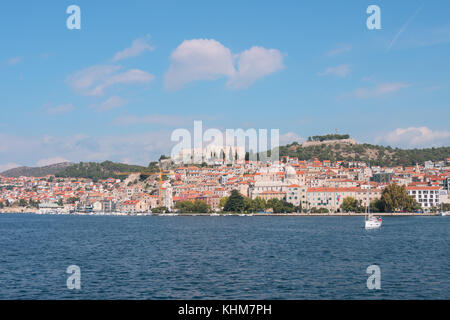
[(98, 171), (36, 171), (378, 155)]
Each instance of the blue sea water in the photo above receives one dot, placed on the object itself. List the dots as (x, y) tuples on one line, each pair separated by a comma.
[(222, 257)]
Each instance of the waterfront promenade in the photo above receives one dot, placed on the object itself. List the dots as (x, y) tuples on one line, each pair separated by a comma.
[(339, 214)]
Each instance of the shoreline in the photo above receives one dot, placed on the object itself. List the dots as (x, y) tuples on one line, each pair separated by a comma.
[(408, 214)]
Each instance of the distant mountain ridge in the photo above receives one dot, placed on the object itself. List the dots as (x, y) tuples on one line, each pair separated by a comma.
[(36, 171), (98, 171), (322, 149)]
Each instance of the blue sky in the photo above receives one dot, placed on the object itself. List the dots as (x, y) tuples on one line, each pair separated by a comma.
[(137, 70)]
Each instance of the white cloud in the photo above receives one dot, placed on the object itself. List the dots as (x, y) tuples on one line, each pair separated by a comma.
[(379, 90), (140, 148), (113, 102), (14, 60), (7, 166), (82, 81), (255, 63), (50, 161), (290, 137), (137, 47), (198, 59), (416, 137), (60, 109), (93, 81), (340, 49), (208, 59), (133, 76), (342, 71)]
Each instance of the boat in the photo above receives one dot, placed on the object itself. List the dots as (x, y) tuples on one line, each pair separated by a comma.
[(370, 221), (214, 214), (443, 213)]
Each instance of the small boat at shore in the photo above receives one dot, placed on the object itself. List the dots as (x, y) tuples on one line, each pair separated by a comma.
[(370, 221)]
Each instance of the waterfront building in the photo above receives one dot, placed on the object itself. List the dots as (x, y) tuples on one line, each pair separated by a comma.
[(50, 208), (267, 195), (427, 196)]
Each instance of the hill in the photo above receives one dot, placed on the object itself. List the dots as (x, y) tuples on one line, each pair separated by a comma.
[(98, 171), (378, 155), (36, 171)]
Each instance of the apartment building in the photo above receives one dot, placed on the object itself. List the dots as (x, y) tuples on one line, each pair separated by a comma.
[(426, 196)]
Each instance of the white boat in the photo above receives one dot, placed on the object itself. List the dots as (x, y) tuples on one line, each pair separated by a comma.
[(214, 214), (443, 214), (370, 221)]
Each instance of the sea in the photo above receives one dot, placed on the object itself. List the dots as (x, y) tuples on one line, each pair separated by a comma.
[(231, 257)]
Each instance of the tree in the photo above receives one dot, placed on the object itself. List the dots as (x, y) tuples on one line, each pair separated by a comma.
[(280, 206), (222, 202), (394, 198), (160, 210), (319, 210), (259, 204), (197, 206), (235, 202), (200, 206), (248, 205), (73, 200), (34, 204), (349, 204), (376, 206), (23, 203)]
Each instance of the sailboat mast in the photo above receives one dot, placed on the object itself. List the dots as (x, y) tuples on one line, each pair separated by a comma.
[(368, 198), (368, 193)]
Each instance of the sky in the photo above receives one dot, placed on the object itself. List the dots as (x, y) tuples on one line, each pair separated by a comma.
[(138, 70)]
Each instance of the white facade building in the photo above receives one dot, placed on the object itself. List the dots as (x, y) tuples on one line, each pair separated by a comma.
[(426, 196)]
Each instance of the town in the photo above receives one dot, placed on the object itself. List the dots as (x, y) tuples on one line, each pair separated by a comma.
[(285, 186)]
